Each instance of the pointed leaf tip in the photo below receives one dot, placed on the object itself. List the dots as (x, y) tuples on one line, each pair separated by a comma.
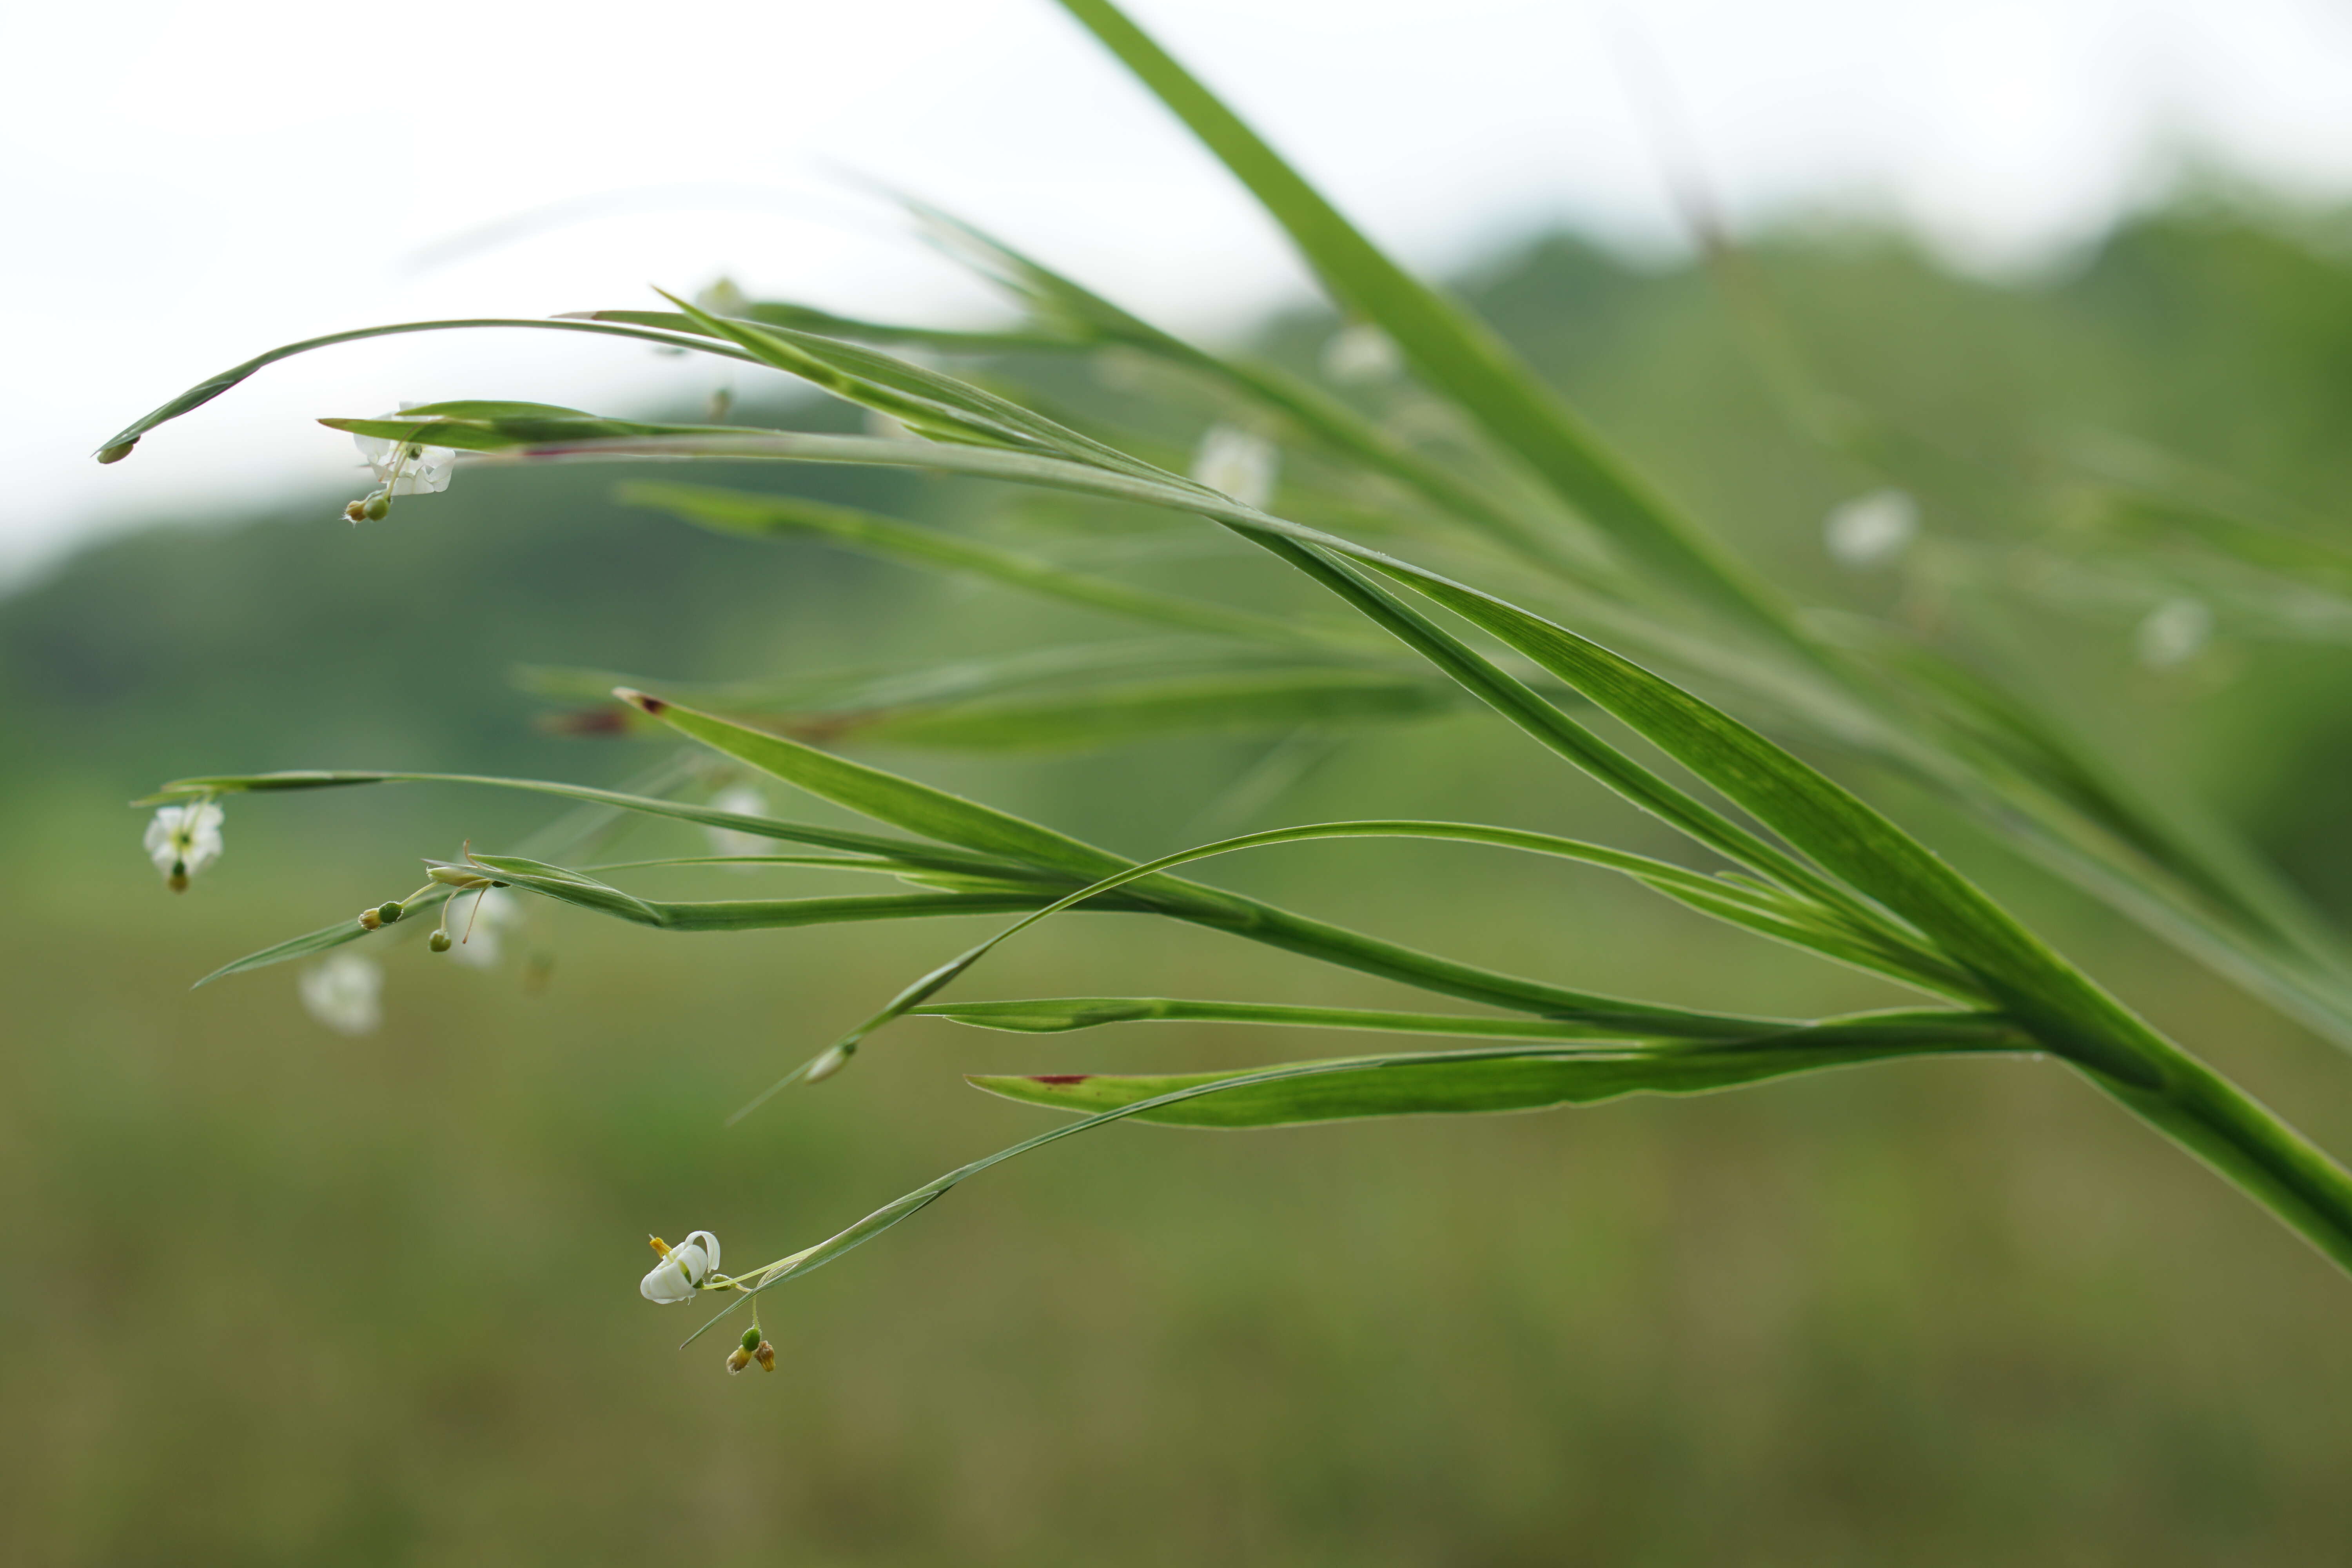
[(642, 701)]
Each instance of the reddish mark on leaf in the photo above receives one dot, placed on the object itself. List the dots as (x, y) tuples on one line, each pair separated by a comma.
[(642, 701), (1059, 1076)]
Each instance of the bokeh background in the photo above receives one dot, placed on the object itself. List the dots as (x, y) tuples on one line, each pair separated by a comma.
[(283, 1296)]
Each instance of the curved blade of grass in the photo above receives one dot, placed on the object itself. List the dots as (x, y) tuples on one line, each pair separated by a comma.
[(1764, 909), (732, 511), (1315, 414), (324, 939), (204, 391), (811, 1258), (980, 676), (1114, 715), (901, 849), (1453, 352), (1378, 1086)]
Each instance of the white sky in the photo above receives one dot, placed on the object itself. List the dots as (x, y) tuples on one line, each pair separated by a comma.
[(190, 184)]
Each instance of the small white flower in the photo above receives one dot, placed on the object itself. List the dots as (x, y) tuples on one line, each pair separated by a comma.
[(1871, 529), (183, 840), (2172, 633), (343, 992), (1239, 463), (682, 1268), (724, 296), (492, 910), (744, 801), (1360, 352), (406, 467)]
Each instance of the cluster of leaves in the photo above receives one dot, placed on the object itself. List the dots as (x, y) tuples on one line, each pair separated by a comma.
[(1679, 646)]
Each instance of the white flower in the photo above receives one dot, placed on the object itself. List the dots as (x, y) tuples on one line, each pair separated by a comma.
[(1238, 462), (1360, 352), (744, 801), (491, 911), (682, 1268), (2173, 632), (406, 467), (1871, 529), (724, 296), (342, 993), (183, 840)]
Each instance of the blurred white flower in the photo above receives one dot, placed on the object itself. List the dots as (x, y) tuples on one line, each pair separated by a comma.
[(1360, 352), (183, 840), (1237, 462), (744, 801), (1871, 529), (491, 911), (681, 1269), (2172, 633), (344, 993), (724, 296)]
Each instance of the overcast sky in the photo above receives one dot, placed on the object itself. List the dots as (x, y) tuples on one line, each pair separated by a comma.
[(189, 183)]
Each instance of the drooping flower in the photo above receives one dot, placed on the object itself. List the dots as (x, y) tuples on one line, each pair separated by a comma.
[(1872, 530), (402, 469), (744, 801), (1360, 352), (344, 991), (1237, 462), (183, 840), (2172, 633), (682, 1268)]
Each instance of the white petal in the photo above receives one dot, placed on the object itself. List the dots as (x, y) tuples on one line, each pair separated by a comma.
[(427, 473), (666, 1283), (707, 1245), (162, 838), (744, 801), (201, 828), (477, 921), (1360, 352), (2173, 633), (344, 993), (1871, 529), (1237, 462)]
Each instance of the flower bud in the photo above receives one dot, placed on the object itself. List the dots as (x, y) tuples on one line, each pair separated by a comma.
[(438, 941), (826, 1065), (766, 1356), (119, 452), (356, 511), (370, 921), (178, 881), (736, 1360)]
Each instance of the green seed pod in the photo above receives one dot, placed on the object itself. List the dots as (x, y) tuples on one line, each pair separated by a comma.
[(117, 452), (750, 1339), (388, 911), (438, 941), (377, 505)]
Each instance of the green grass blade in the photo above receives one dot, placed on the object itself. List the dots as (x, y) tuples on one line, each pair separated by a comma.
[(1114, 715), (733, 512), (908, 851), (204, 391), (1375, 1086), (1451, 351)]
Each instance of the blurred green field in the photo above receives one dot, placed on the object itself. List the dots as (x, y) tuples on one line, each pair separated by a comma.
[(284, 1297)]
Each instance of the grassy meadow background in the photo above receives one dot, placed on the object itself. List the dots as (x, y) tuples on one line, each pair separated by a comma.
[(283, 1297)]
